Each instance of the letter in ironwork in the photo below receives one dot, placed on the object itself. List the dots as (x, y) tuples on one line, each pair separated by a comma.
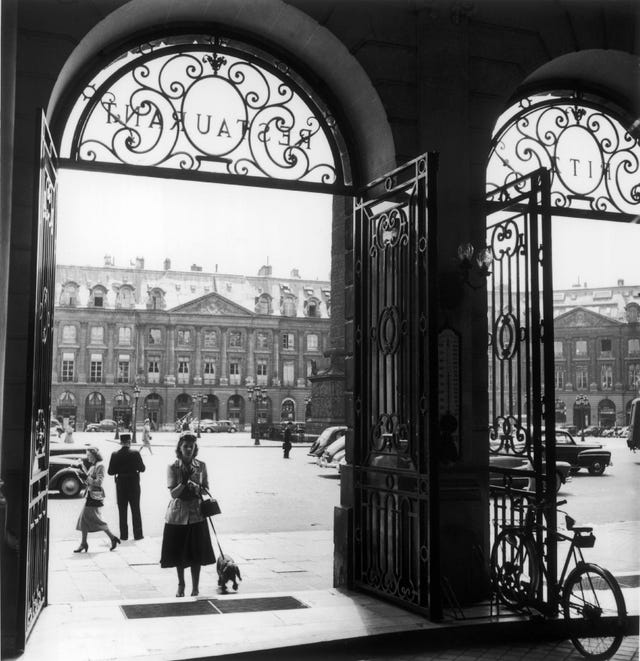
[(130, 112), (575, 162), (287, 138), (262, 135), (107, 105), (224, 129), (156, 120), (208, 124), (243, 123), (178, 120), (305, 139)]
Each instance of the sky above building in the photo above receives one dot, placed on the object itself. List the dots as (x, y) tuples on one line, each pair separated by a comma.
[(231, 229), (238, 229)]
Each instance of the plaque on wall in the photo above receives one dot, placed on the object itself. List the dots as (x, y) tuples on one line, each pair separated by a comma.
[(449, 394)]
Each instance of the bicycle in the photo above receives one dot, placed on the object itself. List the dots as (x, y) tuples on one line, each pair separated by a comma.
[(591, 599)]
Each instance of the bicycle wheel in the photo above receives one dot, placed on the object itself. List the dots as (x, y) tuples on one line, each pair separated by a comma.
[(590, 595), (515, 573)]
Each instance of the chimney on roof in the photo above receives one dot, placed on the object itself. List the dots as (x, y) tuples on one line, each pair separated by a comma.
[(139, 263), (295, 273), (195, 267), (167, 264), (108, 260), (265, 270), (620, 282)]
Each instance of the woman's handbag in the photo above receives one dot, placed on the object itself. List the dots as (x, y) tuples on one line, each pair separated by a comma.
[(209, 507)]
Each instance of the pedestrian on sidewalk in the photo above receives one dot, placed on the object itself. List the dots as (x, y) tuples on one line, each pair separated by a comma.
[(90, 519), (146, 436), (185, 540), (288, 435), (126, 465), (68, 432)]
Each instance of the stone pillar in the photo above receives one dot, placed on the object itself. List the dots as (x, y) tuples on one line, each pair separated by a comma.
[(110, 368), (224, 377), (251, 357), (82, 353), (197, 368), (170, 365), (275, 371)]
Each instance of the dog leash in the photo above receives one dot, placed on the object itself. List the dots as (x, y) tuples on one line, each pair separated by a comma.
[(210, 519)]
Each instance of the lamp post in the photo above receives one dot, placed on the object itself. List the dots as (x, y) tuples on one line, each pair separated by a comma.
[(582, 404), (136, 394), (119, 397), (259, 394), (198, 398)]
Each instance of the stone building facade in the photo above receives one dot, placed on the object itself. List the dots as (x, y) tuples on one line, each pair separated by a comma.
[(596, 354), (193, 342)]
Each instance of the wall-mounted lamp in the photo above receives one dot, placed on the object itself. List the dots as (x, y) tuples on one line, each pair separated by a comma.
[(474, 265)]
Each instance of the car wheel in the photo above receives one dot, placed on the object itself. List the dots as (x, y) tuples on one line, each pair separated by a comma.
[(558, 482), (596, 468), (70, 486), (233, 431)]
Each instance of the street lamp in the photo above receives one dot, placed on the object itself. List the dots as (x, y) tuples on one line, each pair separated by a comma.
[(136, 394), (198, 398), (582, 404), (259, 393), (119, 399)]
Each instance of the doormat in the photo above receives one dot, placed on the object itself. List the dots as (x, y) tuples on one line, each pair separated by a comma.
[(169, 609), (210, 607), (257, 604)]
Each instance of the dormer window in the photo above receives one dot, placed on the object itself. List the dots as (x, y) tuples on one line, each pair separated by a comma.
[(263, 304), (98, 297), (312, 307), (288, 306), (155, 299), (69, 295), (125, 297)]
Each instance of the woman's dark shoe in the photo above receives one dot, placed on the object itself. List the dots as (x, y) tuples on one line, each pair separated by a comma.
[(114, 542), (194, 592), (81, 548), (180, 592)]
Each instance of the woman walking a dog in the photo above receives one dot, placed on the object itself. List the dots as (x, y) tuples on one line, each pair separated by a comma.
[(186, 541)]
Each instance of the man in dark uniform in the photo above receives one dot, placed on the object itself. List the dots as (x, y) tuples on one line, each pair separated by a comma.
[(126, 464), (288, 436)]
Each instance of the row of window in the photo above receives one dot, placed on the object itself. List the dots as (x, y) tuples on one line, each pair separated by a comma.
[(125, 298), (186, 337), (604, 346), (582, 377), (184, 369)]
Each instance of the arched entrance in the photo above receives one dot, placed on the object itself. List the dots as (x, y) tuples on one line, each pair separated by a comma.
[(153, 410), (94, 407), (183, 406), (606, 413), (210, 408), (556, 154), (66, 406), (288, 409), (122, 409), (235, 410)]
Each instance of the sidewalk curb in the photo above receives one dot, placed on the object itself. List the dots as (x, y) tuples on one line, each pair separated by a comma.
[(520, 631)]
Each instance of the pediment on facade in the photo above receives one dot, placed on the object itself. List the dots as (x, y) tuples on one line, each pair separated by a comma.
[(212, 304), (583, 318)]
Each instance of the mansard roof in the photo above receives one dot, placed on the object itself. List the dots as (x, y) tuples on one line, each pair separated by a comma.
[(213, 304)]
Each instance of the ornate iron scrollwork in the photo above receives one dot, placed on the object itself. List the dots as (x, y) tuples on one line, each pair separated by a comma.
[(208, 104), (593, 160)]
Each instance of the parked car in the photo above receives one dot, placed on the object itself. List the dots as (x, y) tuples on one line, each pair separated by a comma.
[(66, 475), (227, 426), (276, 431), (519, 463), (581, 454), (328, 435), (328, 456), (58, 447), (104, 425)]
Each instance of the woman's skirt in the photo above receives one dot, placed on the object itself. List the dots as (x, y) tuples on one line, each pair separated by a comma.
[(185, 546), (90, 520)]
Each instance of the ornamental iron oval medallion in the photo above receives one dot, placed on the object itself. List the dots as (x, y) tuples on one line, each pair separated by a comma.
[(505, 240), (505, 336), (389, 327)]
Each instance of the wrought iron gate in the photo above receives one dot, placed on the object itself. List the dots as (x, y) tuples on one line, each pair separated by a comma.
[(35, 535), (395, 388), (521, 367)]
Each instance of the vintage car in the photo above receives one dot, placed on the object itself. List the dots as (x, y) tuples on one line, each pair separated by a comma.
[(581, 454), (66, 475), (515, 464), (103, 425), (327, 436)]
